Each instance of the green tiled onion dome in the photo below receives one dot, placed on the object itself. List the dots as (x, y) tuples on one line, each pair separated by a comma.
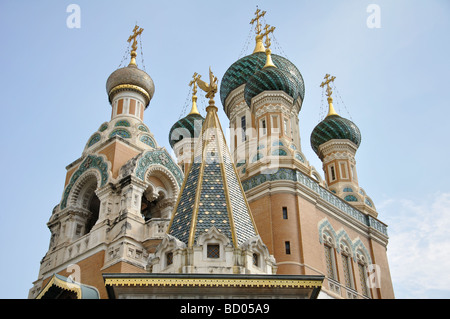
[(334, 127), (189, 126), (270, 79), (240, 71)]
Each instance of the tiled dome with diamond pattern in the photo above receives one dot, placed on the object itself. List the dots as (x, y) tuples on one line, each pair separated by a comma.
[(240, 72), (334, 127), (189, 126), (270, 79)]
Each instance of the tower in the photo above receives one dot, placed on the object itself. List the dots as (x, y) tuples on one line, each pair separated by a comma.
[(118, 196), (311, 225), (335, 140)]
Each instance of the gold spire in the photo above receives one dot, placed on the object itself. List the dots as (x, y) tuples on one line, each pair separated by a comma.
[(193, 83), (259, 43), (266, 33), (136, 31), (327, 81)]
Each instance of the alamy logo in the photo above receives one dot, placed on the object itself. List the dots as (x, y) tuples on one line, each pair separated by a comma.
[(74, 19), (374, 19)]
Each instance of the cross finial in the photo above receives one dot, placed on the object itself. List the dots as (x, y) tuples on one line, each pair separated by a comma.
[(256, 19), (266, 33), (136, 31), (193, 83), (259, 45), (327, 82)]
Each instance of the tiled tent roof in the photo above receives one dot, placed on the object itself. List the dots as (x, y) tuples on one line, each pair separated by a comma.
[(212, 194)]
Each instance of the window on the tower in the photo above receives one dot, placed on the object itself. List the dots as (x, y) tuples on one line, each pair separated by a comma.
[(83, 196), (332, 173), (243, 128), (287, 246), (263, 127), (285, 213)]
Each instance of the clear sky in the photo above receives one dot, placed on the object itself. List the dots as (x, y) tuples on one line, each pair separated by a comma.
[(393, 82)]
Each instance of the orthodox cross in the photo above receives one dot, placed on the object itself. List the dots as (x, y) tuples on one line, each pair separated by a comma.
[(266, 34), (136, 31), (327, 83), (256, 19), (193, 83)]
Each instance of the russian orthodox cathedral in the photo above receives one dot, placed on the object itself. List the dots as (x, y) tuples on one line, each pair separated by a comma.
[(252, 219)]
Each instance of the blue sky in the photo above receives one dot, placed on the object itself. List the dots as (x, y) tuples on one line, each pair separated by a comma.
[(393, 82)]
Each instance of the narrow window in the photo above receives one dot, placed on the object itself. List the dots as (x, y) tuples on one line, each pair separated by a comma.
[(263, 126), (275, 128), (363, 279), (244, 128), (255, 259), (333, 173), (288, 247), (213, 251), (169, 258), (285, 213), (330, 262), (78, 230), (346, 266)]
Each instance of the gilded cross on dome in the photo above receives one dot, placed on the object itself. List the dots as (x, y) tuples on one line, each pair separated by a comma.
[(327, 82), (136, 31), (193, 83), (259, 45), (256, 19)]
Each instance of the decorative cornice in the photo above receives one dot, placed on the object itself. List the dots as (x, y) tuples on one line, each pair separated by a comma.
[(297, 176), (131, 87), (213, 282)]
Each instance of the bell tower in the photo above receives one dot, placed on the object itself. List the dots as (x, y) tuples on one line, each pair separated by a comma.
[(118, 196)]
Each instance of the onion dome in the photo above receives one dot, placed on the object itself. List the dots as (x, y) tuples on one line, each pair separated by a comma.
[(270, 78), (189, 126), (130, 78), (334, 127), (240, 72)]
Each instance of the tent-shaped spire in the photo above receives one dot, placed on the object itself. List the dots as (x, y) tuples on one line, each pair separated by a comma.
[(212, 194)]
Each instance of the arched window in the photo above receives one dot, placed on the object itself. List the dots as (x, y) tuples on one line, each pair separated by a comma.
[(347, 266), (362, 269), (330, 260), (83, 196), (159, 197)]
